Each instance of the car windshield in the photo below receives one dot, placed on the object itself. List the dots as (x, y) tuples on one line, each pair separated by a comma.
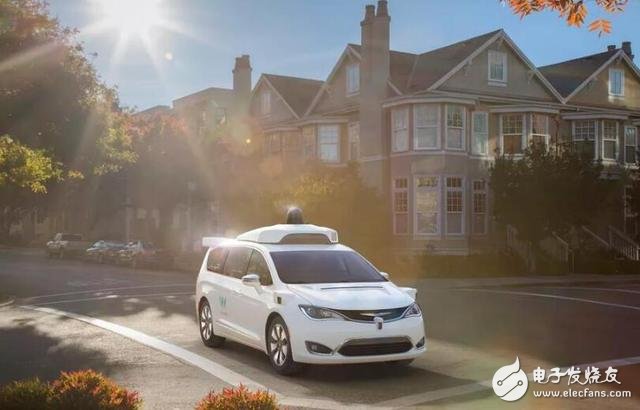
[(323, 267)]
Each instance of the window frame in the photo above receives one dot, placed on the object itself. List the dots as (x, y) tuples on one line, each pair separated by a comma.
[(546, 136), (485, 193), (224, 259), (265, 103), (635, 155), (461, 189), (503, 56), (438, 191), (615, 139), (321, 143), (581, 139), (396, 131), (352, 81), (474, 133), (437, 126), (274, 139), (399, 190), (611, 84), (351, 136), (309, 142), (463, 129), (522, 133)]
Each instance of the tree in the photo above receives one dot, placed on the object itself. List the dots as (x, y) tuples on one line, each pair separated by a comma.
[(632, 192), (573, 11), (546, 192)]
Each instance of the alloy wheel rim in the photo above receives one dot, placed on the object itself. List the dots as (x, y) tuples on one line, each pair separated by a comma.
[(206, 324), (279, 344)]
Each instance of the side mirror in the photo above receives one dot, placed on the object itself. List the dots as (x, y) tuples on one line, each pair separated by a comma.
[(385, 275), (252, 280)]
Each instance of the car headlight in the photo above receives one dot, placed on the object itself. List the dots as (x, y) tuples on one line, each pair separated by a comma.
[(413, 311), (315, 312)]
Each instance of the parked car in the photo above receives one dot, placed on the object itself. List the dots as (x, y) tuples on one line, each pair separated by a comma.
[(141, 253), (295, 293), (104, 251), (66, 244)]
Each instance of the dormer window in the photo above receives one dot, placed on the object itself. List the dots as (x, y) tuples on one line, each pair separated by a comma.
[(616, 82), (265, 103), (353, 78), (497, 67)]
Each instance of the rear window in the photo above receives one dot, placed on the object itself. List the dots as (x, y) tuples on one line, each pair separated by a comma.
[(323, 267), (71, 237), (216, 258)]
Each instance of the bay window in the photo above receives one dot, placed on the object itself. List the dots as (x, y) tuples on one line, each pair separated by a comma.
[(427, 205), (480, 136), (479, 216), (630, 145), (540, 130), (455, 127), (426, 130), (455, 206), (584, 137), (400, 129), (308, 142), (354, 141), (329, 143), (609, 140), (511, 133), (400, 206), (291, 141), (273, 143)]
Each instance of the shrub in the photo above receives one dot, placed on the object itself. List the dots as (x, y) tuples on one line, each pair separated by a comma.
[(91, 390), (25, 394), (238, 398)]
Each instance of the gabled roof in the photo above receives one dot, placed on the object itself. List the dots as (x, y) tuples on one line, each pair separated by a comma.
[(401, 64), (222, 96), (297, 93)]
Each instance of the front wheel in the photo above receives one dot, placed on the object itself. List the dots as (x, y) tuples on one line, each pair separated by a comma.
[(205, 319), (279, 348)]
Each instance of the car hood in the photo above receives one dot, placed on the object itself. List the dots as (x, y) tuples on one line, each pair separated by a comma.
[(353, 296)]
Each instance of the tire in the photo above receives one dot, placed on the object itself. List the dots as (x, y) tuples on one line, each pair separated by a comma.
[(279, 348), (401, 363), (205, 322)]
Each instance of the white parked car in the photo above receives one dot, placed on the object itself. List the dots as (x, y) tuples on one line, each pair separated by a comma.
[(295, 293)]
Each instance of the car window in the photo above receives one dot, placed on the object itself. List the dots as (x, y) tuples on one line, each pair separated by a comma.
[(237, 262), (323, 267), (258, 265), (216, 258)]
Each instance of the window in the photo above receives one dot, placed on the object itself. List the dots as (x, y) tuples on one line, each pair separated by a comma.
[(630, 218), (265, 102), (291, 141), (479, 216), (584, 137), (455, 206), (539, 130), (480, 137), (353, 78), (497, 66), (455, 127), (511, 133), (400, 206), (309, 142), (609, 140), (237, 261), (221, 116), (426, 119), (273, 143), (400, 129), (427, 205), (328, 143), (616, 82), (630, 145), (215, 260), (354, 141), (258, 266)]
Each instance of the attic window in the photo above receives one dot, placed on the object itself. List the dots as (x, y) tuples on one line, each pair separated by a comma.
[(616, 82), (497, 66), (353, 78), (265, 103)]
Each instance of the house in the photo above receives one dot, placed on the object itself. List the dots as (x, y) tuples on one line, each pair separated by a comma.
[(425, 127)]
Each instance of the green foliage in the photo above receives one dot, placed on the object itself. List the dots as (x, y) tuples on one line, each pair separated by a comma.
[(25, 395), (238, 398), (26, 168)]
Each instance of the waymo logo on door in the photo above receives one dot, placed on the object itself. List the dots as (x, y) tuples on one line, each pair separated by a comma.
[(510, 382)]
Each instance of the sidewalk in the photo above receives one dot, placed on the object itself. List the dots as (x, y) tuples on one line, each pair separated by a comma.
[(525, 280)]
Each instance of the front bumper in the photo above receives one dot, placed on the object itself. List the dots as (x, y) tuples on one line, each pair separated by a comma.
[(336, 334)]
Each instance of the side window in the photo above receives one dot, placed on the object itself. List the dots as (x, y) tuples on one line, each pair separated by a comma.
[(215, 260), (237, 262), (258, 265)]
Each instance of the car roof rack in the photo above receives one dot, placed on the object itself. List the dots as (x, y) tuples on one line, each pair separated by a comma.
[(289, 234)]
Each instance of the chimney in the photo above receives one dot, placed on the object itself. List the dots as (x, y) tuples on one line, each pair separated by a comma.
[(611, 47), (242, 82), (626, 47)]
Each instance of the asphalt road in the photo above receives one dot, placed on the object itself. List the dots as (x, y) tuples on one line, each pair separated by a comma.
[(473, 327)]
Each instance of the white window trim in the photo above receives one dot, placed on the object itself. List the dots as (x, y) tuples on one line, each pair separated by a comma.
[(464, 128), (349, 135), (595, 138), (485, 191), (356, 90), (405, 110), (473, 133), (395, 190), (438, 191), (314, 142), (265, 103), (624, 155), (546, 136), (611, 93), (493, 81), (438, 129), (319, 145), (445, 212), (602, 140), (523, 140)]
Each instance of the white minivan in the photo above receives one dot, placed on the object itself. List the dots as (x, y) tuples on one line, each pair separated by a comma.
[(298, 295)]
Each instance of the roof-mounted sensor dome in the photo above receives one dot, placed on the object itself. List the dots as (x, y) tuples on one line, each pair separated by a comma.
[(294, 216)]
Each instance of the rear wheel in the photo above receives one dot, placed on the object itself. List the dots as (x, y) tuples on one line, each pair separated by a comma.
[(279, 348), (205, 319)]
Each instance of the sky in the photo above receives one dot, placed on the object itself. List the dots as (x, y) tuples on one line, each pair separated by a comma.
[(195, 46)]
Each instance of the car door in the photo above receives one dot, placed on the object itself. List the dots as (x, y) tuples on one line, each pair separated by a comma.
[(235, 267), (253, 303)]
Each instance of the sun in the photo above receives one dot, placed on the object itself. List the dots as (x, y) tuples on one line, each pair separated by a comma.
[(131, 17)]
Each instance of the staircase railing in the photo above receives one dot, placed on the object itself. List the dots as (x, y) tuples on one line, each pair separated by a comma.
[(597, 238), (623, 244), (556, 247)]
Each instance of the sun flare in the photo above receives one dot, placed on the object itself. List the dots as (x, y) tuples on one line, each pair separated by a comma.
[(131, 17)]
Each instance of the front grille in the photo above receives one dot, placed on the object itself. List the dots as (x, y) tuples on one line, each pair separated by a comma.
[(369, 315), (375, 347)]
